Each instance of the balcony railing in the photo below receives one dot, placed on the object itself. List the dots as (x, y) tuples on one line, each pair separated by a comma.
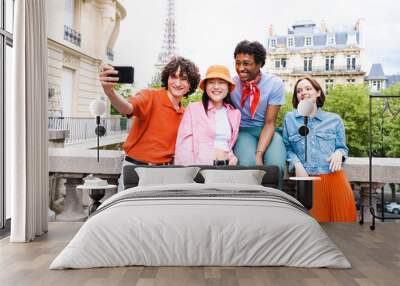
[(110, 54), (72, 36), (323, 69), (82, 129)]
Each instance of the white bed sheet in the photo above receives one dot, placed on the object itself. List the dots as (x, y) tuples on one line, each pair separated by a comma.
[(200, 231)]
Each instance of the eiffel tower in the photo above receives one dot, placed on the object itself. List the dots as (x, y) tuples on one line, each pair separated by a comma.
[(168, 49)]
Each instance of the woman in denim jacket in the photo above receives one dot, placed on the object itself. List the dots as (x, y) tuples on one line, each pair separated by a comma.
[(326, 150), (209, 128)]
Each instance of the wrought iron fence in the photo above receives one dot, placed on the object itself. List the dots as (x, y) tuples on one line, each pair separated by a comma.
[(82, 129), (324, 69), (72, 36), (110, 54), (393, 112)]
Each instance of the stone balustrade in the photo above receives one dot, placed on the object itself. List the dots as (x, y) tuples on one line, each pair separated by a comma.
[(384, 170), (73, 165), (67, 169), (57, 137), (69, 160)]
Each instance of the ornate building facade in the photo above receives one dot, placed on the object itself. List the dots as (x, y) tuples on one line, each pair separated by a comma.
[(329, 55), (81, 36)]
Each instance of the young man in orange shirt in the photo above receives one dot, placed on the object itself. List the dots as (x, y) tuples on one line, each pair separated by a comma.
[(158, 112)]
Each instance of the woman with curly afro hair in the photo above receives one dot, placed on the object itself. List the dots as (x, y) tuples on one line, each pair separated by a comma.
[(258, 95)]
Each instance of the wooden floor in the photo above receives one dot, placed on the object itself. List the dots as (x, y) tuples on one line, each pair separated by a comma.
[(374, 255)]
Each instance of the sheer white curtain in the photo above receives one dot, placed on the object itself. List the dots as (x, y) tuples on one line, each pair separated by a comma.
[(27, 123)]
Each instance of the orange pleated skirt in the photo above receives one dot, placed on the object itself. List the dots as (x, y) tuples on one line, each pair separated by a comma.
[(333, 199)]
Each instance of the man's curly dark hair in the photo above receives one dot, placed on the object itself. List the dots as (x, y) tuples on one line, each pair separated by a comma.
[(186, 67), (252, 48)]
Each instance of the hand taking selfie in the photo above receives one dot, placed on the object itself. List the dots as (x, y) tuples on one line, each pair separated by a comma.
[(335, 161), (107, 79)]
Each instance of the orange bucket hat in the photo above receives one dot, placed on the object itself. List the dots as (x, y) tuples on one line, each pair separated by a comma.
[(218, 71)]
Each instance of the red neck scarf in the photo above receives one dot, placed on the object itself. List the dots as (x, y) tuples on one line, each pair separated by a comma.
[(251, 89)]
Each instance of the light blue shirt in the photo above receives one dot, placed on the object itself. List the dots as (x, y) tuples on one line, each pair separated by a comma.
[(272, 92), (326, 136)]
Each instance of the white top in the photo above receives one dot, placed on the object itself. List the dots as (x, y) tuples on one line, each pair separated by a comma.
[(223, 131)]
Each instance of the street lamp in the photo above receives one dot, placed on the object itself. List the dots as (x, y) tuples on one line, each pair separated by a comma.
[(98, 108), (305, 108), (304, 185)]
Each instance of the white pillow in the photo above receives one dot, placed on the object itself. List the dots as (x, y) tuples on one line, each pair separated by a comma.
[(166, 176), (249, 177)]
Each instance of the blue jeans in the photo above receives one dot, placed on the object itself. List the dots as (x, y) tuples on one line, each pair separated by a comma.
[(246, 145)]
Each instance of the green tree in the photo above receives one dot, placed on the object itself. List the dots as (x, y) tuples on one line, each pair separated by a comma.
[(195, 96), (351, 102), (288, 106), (389, 121), (155, 85), (393, 90), (123, 89)]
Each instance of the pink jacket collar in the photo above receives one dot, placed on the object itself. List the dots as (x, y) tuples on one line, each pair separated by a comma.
[(228, 106)]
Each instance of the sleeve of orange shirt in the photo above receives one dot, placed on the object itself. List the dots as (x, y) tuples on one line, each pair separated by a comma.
[(141, 103)]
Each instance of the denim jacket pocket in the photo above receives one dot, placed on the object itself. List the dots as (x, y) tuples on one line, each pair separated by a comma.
[(297, 141), (326, 143)]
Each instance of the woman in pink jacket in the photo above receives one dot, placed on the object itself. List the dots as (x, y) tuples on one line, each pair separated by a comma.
[(209, 128)]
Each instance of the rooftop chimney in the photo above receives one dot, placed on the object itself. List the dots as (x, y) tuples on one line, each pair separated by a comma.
[(359, 25), (270, 30), (322, 27)]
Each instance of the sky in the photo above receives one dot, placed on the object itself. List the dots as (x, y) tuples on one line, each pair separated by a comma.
[(207, 31)]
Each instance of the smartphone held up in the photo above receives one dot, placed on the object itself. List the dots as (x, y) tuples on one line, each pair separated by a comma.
[(125, 74)]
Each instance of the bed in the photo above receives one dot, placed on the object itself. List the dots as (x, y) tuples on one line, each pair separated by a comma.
[(201, 224)]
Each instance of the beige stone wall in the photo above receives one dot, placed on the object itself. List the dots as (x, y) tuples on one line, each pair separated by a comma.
[(290, 80), (55, 79), (295, 65), (98, 22), (89, 86), (296, 60), (86, 86)]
